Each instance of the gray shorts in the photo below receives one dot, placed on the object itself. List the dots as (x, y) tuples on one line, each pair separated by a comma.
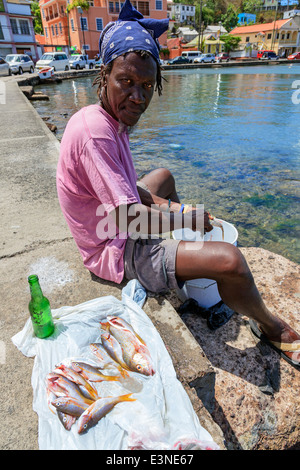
[(152, 262)]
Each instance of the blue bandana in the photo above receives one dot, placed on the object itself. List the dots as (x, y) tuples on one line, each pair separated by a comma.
[(131, 32)]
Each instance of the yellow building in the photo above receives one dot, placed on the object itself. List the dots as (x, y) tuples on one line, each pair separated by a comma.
[(280, 36), (206, 44)]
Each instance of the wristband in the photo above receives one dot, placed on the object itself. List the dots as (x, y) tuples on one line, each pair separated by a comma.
[(169, 205), (186, 207), (181, 209)]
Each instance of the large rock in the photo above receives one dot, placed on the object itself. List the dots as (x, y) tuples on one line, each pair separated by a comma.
[(257, 402)]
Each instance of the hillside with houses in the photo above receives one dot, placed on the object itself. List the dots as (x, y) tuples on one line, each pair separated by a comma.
[(241, 27)]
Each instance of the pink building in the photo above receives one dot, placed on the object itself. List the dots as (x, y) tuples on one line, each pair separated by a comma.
[(16, 28), (71, 31)]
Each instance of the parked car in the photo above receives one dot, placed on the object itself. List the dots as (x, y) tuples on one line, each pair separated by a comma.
[(269, 56), (79, 61), (205, 58), (20, 63), (261, 53), (191, 55), (222, 56), (57, 60), (4, 67), (98, 63), (294, 56), (178, 60)]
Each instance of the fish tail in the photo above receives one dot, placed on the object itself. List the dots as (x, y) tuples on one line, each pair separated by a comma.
[(105, 378), (111, 378), (127, 397), (104, 325)]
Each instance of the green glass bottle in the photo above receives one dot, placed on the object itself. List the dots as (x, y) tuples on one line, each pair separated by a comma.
[(39, 308)]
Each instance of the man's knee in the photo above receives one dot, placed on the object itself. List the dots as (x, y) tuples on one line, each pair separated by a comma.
[(165, 175), (160, 182), (234, 263)]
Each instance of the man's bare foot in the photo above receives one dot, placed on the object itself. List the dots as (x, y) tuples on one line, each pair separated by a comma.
[(280, 337)]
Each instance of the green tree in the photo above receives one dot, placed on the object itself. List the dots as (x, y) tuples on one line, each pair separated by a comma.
[(250, 6), (84, 4), (219, 7), (231, 42), (208, 16), (212, 10), (230, 18), (37, 18)]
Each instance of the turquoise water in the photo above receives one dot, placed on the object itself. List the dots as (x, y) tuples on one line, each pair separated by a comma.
[(230, 136)]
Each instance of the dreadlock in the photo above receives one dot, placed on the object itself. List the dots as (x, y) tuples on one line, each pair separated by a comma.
[(107, 69)]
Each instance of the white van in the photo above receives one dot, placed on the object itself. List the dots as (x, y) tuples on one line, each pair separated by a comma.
[(57, 60), (191, 55)]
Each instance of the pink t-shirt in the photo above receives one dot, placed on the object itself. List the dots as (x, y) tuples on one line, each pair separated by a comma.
[(95, 174)]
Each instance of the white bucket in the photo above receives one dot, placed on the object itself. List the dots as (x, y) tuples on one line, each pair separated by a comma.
[(204, 291)]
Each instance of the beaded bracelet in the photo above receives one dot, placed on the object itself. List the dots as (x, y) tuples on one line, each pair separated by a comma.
[(169, 205)]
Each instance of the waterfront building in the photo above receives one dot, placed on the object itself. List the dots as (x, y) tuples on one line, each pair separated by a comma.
[(209, 41), (181, 13), (69, 30), (215, 31), (282, 36), (186, 33), (16, 29)]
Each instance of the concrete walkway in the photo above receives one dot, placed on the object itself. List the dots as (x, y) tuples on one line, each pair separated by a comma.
[(35, 239)]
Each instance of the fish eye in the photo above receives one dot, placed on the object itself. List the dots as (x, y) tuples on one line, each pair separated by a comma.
[(139, 367), (85, 426)]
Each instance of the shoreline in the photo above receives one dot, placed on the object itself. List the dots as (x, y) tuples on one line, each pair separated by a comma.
[(34, 80)]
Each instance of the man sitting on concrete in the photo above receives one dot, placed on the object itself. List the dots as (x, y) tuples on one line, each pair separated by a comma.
[(96, 177)]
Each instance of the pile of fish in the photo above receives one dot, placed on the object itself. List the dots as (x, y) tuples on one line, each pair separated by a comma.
[(71, 390)]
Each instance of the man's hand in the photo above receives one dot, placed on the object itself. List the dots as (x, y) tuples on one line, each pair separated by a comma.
[(199, 218)]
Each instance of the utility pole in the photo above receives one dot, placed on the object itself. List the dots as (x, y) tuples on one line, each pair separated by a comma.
[(273, 33), (200, 21), (69, 38), (80, 11)]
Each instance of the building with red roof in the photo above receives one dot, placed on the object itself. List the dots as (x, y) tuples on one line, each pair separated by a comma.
[(281, 36)]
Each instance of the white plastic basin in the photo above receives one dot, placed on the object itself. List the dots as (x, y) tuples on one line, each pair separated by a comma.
[(204, 291)]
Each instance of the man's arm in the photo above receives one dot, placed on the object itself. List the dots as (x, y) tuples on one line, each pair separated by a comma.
[(146, 220), (192, 221), (150, 200)]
